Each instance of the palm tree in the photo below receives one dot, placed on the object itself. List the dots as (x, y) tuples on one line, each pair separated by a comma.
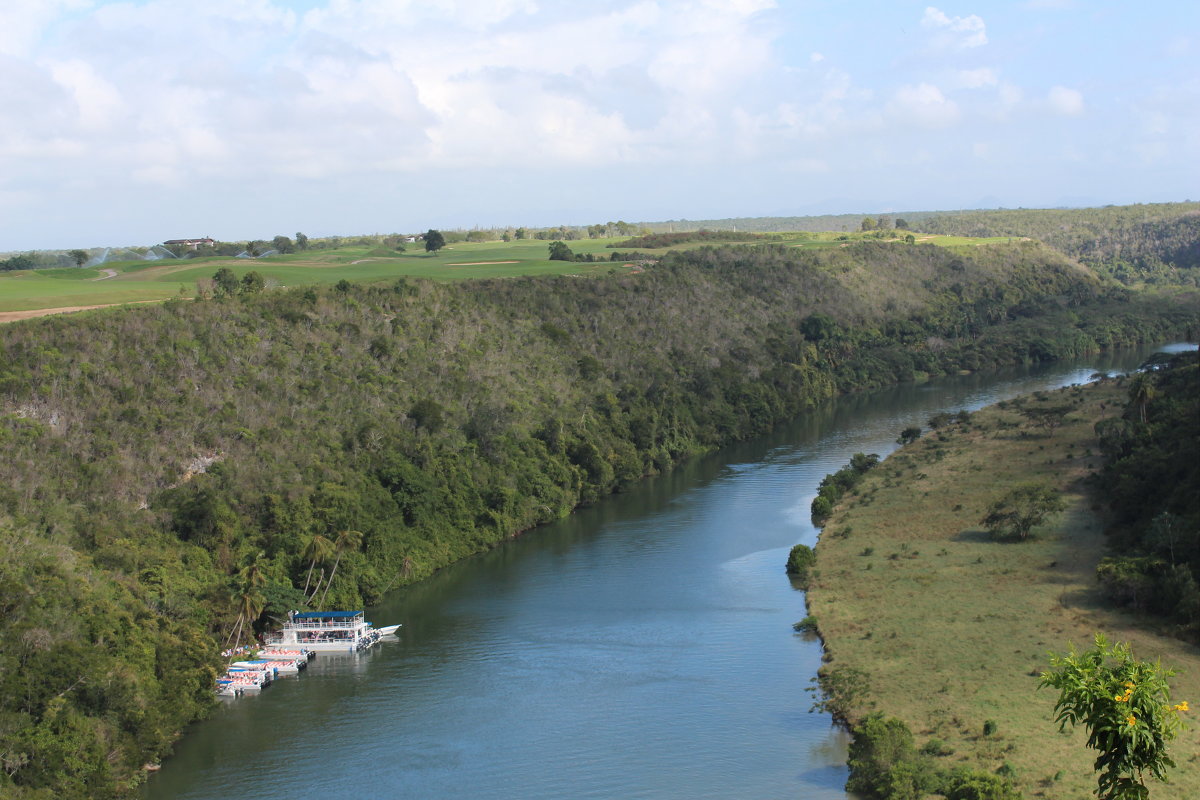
[(318, 549), (252, 574), (1141, 391), (249, 605), (346, 540)]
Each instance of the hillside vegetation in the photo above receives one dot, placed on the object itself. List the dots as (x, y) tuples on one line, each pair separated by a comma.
[(168, 467), (929, 619), (1156, 243)]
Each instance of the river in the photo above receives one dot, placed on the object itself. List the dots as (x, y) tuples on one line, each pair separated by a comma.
[(641, 648)]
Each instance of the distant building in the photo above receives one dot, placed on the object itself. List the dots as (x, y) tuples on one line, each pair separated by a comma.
[(191, 244), (411, 238)]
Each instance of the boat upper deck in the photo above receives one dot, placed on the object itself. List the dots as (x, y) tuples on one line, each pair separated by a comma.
[(326, 620)]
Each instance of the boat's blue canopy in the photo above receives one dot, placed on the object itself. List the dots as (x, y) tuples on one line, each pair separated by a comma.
[(326, 614)]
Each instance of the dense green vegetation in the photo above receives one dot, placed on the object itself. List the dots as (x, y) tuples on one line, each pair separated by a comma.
[(886, 765), (170, 468), (1145, 243), (1151, 480), (657, 240), (1158, 244), (836, 484)]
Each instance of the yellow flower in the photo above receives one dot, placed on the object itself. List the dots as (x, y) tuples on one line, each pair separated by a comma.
[(1129, 685), (1131, 719), (1118, 698), (1182, 706)]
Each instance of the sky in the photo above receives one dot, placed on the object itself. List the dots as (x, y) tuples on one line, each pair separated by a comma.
[(127, 123)]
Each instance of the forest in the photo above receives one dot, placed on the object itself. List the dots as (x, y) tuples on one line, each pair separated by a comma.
[(1154, 244), (1150, 480), (172, 470)]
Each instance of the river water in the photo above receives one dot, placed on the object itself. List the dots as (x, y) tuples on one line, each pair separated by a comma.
[(641, 648)]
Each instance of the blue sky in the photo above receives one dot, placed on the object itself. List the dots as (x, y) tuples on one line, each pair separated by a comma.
[(133, 122)]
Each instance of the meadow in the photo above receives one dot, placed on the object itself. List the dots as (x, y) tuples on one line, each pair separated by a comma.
[(952, 628), (141, 281)]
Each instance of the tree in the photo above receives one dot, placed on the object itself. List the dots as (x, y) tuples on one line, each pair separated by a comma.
[(248, 596), (800, 560), (1015, 514), (318, 549), (1125, 705), (283, 244), (252, 282), (225, 282), (301, 241), (868, 224), (427, 414), (560, 252), (910, 434), (879, 745), (520, 233), (1048, 417), (79, 257), (1142, 390), (434, 241), (901, 224), (18, 262), (346, 540)]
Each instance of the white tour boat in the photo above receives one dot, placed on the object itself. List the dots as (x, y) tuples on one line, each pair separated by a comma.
[(327, 631)]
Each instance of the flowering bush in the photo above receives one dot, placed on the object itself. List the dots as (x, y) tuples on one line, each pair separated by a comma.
[(1126, 707)]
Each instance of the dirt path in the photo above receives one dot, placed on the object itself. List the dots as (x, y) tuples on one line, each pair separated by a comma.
[(13, 316), (480, 263), (108, 273)]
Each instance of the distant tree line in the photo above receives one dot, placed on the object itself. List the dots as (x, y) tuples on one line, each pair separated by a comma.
[(1153, 243), (657, 240)]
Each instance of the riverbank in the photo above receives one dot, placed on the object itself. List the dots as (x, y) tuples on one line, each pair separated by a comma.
[(952, 628)]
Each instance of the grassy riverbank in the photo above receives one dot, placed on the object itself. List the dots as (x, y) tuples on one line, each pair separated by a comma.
[(952, 628)]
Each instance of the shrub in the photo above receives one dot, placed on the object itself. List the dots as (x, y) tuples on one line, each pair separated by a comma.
[(936, 747), (878, 746), (966, 784), (1125, 705), (799, 561)]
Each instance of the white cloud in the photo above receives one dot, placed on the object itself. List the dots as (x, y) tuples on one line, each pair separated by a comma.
[(99, 103), (977, 78), (923, 105), (1068, 102), (954, 32), (816, 58), (25, 21), (250, 87)]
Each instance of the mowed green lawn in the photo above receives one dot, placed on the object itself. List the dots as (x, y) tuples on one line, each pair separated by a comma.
[(140, 281), (159, 280)]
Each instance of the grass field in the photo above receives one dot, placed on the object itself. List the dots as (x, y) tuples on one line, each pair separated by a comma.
[(158, 280), (953, 628)]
